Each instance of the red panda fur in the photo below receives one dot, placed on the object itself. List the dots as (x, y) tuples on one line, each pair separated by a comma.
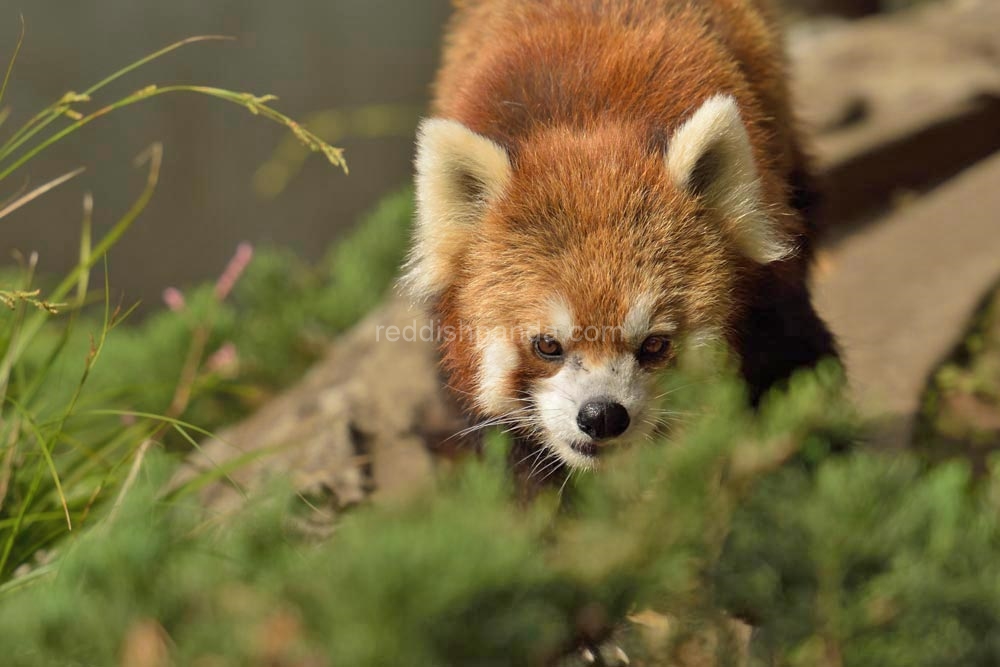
[(533, 76)]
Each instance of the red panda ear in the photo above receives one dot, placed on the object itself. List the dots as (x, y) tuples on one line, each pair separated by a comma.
[(458, 173), (710, 156)]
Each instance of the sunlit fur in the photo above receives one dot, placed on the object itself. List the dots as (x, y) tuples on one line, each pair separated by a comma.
[(715, 133), (616, 165), (458, 174)]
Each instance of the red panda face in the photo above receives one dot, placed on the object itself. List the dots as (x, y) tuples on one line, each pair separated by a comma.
[(571, 275)]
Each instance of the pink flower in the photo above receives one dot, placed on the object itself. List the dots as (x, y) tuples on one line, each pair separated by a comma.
[(235, 268), (225, 360), (174, 299)]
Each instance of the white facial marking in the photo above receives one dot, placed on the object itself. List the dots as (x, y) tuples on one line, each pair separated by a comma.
[(498, 362), (560, 397), (639, 322), (703, 337), (561, 323)]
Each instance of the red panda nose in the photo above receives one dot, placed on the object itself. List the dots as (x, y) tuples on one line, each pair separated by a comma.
[(602, 419)]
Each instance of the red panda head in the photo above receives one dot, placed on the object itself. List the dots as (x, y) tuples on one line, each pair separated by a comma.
[(567, 272)]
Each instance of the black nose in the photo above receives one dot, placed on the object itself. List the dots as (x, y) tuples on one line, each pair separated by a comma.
[(602, 419)]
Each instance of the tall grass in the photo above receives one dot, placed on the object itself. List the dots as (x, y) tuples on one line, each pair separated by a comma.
[(67, 447)]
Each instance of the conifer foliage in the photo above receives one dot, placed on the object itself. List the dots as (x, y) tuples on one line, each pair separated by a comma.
[(836, 559)]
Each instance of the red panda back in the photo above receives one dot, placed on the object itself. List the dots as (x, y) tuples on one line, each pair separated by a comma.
[(512, 67)]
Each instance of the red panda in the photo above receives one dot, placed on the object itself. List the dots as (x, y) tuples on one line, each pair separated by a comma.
[(601, 180)]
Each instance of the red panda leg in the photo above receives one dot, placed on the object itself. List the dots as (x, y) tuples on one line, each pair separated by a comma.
[(781, 333)]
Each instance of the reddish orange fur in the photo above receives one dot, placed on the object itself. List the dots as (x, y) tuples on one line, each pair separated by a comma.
[(585, 95), (511, 66)]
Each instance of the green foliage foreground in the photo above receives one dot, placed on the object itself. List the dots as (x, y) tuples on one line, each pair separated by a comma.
[(88, 415), (848, 559), (83, 396)]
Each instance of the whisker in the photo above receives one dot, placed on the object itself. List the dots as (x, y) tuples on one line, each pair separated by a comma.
[(569, 476), (459, 391), (689, 413), (676, 389), (551, 470), (534, 453), (512, 418), (543, 464)]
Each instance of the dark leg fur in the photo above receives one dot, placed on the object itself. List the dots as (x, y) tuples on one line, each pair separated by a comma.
[(782, 334), (806, 197)]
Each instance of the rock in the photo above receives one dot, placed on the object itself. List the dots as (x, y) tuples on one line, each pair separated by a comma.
[(899, 294), (898, 101), (365, 420)]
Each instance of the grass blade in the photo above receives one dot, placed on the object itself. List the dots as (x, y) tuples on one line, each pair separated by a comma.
[(254, 103), (15, 336), (13, 59), (39, 191), (43, 445), (153, 56), (54, 111), (86, 241), (8, 546), (154, 155)]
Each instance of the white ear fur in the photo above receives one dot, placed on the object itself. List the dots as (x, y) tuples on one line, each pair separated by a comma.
[(458, 173), (710, 156)]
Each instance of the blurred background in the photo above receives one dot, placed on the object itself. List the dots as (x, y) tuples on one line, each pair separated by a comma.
[(369, 62), (358, 72)]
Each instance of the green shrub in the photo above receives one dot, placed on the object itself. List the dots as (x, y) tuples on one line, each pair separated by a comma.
[(854, 560), (278, 320)]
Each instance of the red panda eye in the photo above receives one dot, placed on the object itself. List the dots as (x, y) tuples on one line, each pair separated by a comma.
[(654, 348), (548, 348)]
